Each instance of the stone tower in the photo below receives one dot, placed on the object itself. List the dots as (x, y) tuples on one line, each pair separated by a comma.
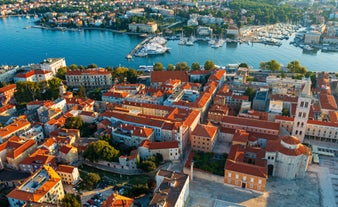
[(302, 112)]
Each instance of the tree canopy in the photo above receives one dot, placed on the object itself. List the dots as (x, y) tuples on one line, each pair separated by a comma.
[(182, 66), (73, 123), (170, 67), (92, 179), (295, 67), (71, 200), (195, 66), (243, 65), (101, 150), (209, 65), (158, 67), (272, 65), (250, 92)]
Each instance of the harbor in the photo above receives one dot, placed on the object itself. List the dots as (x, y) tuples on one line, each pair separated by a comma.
[(149, 46)]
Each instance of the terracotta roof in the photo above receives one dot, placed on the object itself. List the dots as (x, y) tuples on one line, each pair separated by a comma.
[(200, 72), (26, 75), (163, 76), (6, 108), (285, 98), (7, 88), (97, 71), (217, 75), (240, 136), (205, 130), (88, 113), (18, 151), (291, 140), (236, 161), (65, 149), (327, 102), (65, 168), (116, 200), (285, 118), (41, 159), (116, 94), (49, 142), (250, 122), (163, 145), (136, 130), (14, 127), (322, 123), (300, 150)]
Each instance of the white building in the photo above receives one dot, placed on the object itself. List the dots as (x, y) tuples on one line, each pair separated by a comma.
[(44, 186), (69, 174), (35, 133), (53, 64), (171, 188)]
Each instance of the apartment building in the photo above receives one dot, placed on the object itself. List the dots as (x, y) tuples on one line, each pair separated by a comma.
[(89, 78)]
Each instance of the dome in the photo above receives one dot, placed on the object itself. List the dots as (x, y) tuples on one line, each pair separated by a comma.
[(291, 140)]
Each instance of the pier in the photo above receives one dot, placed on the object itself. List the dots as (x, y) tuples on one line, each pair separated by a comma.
[(137, 47)]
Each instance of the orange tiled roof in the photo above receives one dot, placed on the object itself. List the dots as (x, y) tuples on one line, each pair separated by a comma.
[(66, 168), (291, 140), (6, 108), (14, 127), (251, 122), (97, 71), (205, 130), (163, 145), (240, 136), (116, 94), (7, 88), (116, 200), (163, 76), (327, 102), (65, 149), (136, 130), (18, 151)]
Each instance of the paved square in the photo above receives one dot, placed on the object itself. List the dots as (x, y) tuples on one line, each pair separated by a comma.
[(279, 193)]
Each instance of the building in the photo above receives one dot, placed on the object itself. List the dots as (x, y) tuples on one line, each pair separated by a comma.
[(34, 133), (53, 64), (15, 128), (34, 76), (260, 101), (89, 78), (204, 31), (204, 137), (69, 174), (116, 200), (157, 78), (312, 37), (246, 168), (172, 189), (68, 154), (7, 94), (130, 162), (44, 186), (132, 135), (150, 27), (114, 96), (36, 160), (168, 150)]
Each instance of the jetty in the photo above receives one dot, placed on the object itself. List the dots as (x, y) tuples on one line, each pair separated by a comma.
[(137, 47)]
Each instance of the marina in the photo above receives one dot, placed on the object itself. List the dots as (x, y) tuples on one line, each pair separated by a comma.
[(107, 48)]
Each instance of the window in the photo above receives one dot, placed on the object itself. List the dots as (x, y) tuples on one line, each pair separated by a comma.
[(236, 182), (229, 174), (302, 104), (237, 176), (229, 180), (259, 181), (244, 178), (300, 132), (259, 187), (304, 115), (306, 104), (251, 185), (300, 114), (252, 180)]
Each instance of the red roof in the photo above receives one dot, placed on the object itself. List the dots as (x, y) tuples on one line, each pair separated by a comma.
[(251, 122), (163, 76), (285, 98), (66, 168), (200, 72), (18, 151), (136, 130), (116, 94), (327, 102), (205, 130), (26, 75), (7, 88), (163, 145), (96, 71), (240, 136), (65, 149), (291, 140), (6, 108)]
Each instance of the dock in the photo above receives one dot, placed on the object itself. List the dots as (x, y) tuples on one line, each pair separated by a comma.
[(137, 47)]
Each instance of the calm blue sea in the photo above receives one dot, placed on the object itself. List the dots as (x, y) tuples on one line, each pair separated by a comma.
[(20, 46)]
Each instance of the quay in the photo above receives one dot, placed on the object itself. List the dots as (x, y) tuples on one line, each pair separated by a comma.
[(138, 46)]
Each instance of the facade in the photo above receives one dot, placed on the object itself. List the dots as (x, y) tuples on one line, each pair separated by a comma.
[(204, 137), (89, 78), (132, 135), (116, 200), (260, 101), (36, 160), (68, 154), (172, 189), (34, 76), (53, 64), (114, 97), (34, 133), (246, 168), (150, 27), (168, 150), (69, 174), (44, 186), (312, 37), (7, 94)]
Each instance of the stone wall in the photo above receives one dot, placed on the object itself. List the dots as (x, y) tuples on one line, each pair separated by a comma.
[(201, 174)]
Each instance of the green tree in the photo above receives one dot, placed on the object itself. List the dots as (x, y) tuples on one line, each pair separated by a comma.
[(73, 67), (95, 94), (285, 112), (250, 92), (170, 67), (27, 91), (62, 73), (132, 76), (71, 200), (243, 65), (148, 166), (195, 66), (92, 66), (182, 66), (52, 92), (82, 92), (92, 179), (295, 67), (209, 65), (272, 65), (158, 67), (101, 150), (73, 123)]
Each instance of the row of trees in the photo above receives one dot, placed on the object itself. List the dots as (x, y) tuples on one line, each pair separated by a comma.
[(293, 66), (183, 66)]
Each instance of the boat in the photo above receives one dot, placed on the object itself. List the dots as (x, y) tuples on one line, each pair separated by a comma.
[(141, 53), (182, 40), (129, 56), (189, 43), (308, 48)]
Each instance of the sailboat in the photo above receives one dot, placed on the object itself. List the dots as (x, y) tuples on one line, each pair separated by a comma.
[(182, 41), (191, 41), (211, 41)]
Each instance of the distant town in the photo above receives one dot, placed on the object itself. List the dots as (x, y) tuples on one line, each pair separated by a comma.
[(90, 136), (199, 135)]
